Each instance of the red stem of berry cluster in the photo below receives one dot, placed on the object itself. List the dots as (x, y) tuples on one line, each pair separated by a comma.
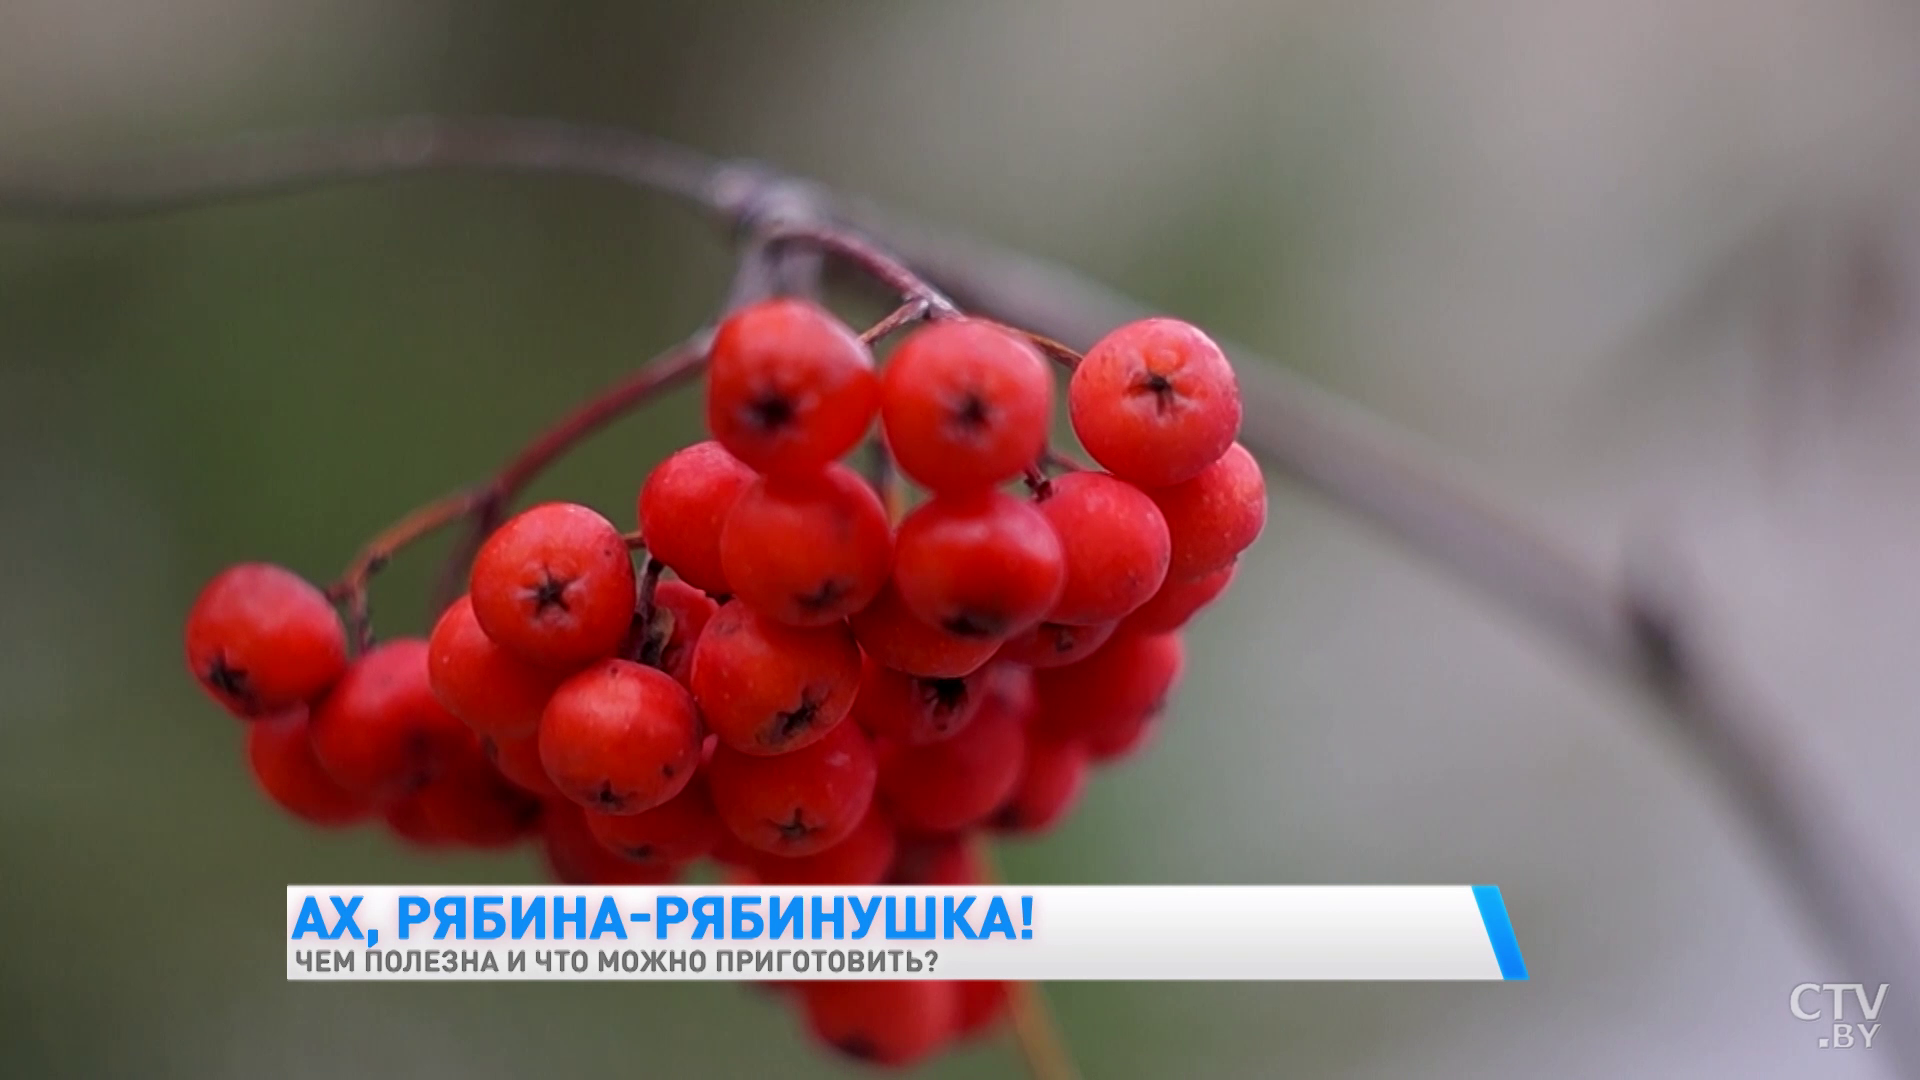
[(349, 590), (1645, 631)]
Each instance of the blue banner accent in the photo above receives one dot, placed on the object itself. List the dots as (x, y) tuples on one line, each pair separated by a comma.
[(1506, 948)]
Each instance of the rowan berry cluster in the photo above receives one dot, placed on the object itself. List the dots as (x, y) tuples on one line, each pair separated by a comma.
[(815, 679)]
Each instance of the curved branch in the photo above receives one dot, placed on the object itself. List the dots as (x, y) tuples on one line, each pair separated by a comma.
[(260, 165)]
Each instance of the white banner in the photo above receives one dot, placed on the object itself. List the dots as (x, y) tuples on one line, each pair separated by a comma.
[(1042, 934)]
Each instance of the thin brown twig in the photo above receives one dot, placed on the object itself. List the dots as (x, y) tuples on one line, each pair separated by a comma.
[(350, 589), (1037, 483), (912, 311), (1645, 635), (869, 259), (494, 498), (1059, 352), (1036, 1031)]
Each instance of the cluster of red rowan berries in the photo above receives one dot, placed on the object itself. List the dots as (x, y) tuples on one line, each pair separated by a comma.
[(818, 693)]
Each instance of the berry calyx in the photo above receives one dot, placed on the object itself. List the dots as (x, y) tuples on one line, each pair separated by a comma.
[(1054, 644), (983, 566), (1155, 401), (677, 831), (555, 585), (1215, 515), (901, 640), (914, 709), (965, 405), (957, 782), (1115, 543), (798, 803), (381, 732), (1116, 689), (490, 688), (789, 387), (882, 1023), (574, 857), (768, 688), (620, 738), (280, 753), (683, 504), (691, 610), (261, 640), (861, 859), (810, 549)]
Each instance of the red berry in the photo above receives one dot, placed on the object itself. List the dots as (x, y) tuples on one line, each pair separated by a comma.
[(1155, 401), (912, 709), (574, 857), (281, 756), (406, 818), (789, 387), (899, 639), (767, 688), (682, 506), (733, 854), (966, 405), (1055, 644), (691, 610), (1127, 681), (809, 549), (799, 803), (979, 1005), (940, 859), (883, 1023), (679, 830), (470, 803), (1179, 601), (518, 759), (861, 859), (1120, 737), (261, 640), (555, 585), (958, 782), (1214, 516), (1051, 776), (620, 738), (381, 732), (1115, 543), (493, 690), (983, 566)]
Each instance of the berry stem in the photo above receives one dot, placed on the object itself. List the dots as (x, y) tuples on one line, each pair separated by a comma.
[(1037, 482), (1064, 355), (350, 589), (664, 371), (912, 311), (661, 373), (1036, 1031), (869, 260)]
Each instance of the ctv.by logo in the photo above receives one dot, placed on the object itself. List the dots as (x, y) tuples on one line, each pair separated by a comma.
[(1846, 1033)]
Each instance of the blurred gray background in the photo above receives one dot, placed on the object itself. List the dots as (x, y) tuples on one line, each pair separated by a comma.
[(1646, 268)]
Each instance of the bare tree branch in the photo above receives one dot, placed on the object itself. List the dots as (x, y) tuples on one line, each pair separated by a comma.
[(1643, 630)]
